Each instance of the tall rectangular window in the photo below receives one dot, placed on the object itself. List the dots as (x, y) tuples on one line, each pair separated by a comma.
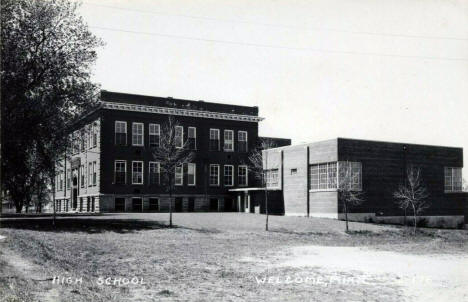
[(120, 171), (179, 176), (192, 138), (214, 175), (242, 175), (76, 142), (228, 175), (61, 181), (179, 136), (154, 176), (94, 173), (453, 179), (154, 135), (137, 172), (90, 174), (191, 171), (214, 139), (68, 180), (228, 140), (137, 134), (82, 176), (95, 131), (82, 140), (120, 133), (89, 136), (242, 141), (272, 178)]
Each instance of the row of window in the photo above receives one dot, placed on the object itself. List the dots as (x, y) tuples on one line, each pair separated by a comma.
[(154, 174), (453, 179), (84, 139), (331, 175), (154, 137), (92, 177)]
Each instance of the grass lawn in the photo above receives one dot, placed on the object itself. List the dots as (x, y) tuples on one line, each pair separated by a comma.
[(208, 256)]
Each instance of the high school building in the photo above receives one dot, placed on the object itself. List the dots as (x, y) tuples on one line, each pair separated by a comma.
[(110, 166), (302, 180)]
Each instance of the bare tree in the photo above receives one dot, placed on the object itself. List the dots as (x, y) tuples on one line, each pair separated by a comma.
[(172, 153), (349, 189), (412, 194), (259, 167)]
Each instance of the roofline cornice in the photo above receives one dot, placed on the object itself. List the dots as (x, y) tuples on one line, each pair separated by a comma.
[(180, 112)]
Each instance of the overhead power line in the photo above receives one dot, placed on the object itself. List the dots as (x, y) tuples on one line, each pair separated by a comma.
[(394, 35), (170, 36)]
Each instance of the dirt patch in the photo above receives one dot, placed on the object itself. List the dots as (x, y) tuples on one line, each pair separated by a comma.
[(422, 277)]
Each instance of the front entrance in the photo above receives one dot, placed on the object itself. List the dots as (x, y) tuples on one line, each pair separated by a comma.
[(120, 204), (227, 204), (75, 199), (137, 205)]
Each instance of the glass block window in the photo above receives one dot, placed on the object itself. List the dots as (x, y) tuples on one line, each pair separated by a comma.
[(453, 179), (272, 178)]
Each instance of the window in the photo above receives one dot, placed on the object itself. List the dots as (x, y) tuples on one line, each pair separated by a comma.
[(76, 142), (137, 134), (137, 172), (325, 176), (61, 181), (179, 136), (120, 133), (120, 172), (68, 179), (191, 178), (214, 175), (82, 140), (294, 171), (95, 130), (228, 140), (192, 138), (90, 174), (94, 173), (228, 175), (242, 176), (214, 139), (453, 179), (272, 178), (154, 176), (179, 176), (82, 176), (154, 135), (242, 141)]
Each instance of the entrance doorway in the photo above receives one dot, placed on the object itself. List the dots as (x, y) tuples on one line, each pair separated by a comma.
[(191, 204), (227, 204), (154, 204)]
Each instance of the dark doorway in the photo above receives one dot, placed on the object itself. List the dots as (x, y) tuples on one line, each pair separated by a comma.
[(81, 204), (154, 204), (191, 204), (88, 204), (227, 204), (137, 205), (92, 204), (120, 204), (214, 204), (75, 199), (178, 204), (66, 205)]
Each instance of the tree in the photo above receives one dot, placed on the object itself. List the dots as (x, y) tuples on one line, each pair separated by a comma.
[(259, 167), (173, 153), (413, 194), (349, 191), (46, 55)]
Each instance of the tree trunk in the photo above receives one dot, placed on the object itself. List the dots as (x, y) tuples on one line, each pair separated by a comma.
[(414, 218)]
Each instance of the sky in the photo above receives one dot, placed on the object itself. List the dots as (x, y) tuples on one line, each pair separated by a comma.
[(379, 70)]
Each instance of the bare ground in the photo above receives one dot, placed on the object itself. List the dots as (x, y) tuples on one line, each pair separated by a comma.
[(221, 256)]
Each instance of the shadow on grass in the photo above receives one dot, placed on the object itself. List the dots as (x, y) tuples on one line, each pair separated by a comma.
[(91, 225)]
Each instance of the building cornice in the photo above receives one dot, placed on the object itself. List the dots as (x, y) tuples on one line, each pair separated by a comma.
[(180, 112)]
